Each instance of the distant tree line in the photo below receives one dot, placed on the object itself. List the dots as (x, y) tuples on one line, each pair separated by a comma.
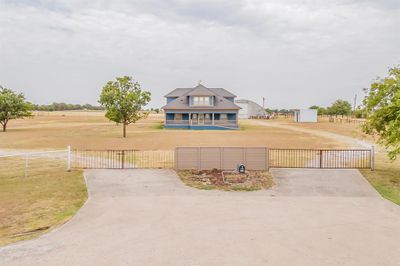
[(155, 110), (279, 111), (64, 107), (339, 107)]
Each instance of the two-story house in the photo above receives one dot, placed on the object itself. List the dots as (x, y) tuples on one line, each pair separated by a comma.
[(201, 108)]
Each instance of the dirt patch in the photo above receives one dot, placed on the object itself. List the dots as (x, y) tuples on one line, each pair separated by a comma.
[(226, 180)]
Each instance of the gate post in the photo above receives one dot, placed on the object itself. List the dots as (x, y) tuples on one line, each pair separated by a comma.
[(123, 159), (372, 158), (320, 159)]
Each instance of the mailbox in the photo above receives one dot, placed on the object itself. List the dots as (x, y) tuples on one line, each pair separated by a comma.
[(241, 168)]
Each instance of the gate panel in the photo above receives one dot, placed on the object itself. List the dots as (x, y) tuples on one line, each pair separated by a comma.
[(322, 159), (122, 159)]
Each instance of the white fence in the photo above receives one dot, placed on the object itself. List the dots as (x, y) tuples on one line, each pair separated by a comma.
[(27, 164)]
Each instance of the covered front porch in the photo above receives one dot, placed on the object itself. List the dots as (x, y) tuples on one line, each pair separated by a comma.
[(201, 119)]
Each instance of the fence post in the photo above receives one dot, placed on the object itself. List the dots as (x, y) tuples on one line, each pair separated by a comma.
[(267, 158), (123, 159), (372, 158), (320, 159), (176, 158), (26, 164), (69, 158)]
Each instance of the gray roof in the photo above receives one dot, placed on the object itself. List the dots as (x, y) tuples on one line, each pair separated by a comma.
[(181, 91), (200, 90), (182, 101)]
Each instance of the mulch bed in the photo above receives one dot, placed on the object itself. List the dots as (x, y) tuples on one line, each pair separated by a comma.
[(226, 180)]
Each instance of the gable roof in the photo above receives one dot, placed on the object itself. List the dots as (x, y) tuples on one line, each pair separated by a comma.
[(219, 91), (182, 101), (200, 90)]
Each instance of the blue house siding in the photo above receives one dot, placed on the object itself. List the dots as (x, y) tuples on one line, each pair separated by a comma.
[(201, 127), (231, 116), (170, 116), (185, 123)]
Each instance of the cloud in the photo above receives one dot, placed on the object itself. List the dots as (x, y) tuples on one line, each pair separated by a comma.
[(295, 53)]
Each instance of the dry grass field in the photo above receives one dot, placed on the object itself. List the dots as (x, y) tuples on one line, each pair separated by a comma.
[(347, 129), (90, 130), (34, 204)]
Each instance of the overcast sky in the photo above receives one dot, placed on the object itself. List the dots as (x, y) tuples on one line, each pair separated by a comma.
[(294, 53)]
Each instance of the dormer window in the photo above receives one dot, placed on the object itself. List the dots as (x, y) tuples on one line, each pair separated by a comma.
[(202, 100)]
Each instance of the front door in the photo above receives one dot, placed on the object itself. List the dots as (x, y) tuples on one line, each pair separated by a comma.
[(201, 119)]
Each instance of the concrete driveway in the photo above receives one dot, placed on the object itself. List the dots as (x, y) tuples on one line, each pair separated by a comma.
[(147, 217)]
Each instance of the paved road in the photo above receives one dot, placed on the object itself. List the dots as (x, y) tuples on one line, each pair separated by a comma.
[(147, 217)]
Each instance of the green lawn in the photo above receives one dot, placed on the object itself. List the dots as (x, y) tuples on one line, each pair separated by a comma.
[(31, 205), (385, 178)]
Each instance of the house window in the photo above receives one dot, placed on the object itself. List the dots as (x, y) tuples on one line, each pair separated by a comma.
[(202, 100), (178, 116)]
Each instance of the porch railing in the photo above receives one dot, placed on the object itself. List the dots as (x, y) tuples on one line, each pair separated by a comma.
[(205, 122), (177, 122)]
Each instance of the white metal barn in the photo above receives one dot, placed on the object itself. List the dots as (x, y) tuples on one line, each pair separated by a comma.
[(306, 115), (249, 109)]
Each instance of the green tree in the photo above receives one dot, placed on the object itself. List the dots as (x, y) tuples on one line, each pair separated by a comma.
[(321, 110), (12, 106), (123, 100), (382, 108), (339, 107), (360, 113)]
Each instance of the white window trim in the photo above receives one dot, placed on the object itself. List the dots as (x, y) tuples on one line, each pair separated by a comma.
[(202, 101)]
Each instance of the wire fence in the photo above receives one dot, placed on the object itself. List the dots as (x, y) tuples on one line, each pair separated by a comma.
[(30, 164)]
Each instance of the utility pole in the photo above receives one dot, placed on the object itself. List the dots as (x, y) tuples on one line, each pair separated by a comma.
[(355, 104), (263, 103)]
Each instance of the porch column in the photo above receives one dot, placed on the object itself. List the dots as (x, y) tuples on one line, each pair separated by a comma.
[(190, 118), (212, 118), (237, 118)]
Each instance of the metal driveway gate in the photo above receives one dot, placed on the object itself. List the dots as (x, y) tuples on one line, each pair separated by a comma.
[(226, 158), (322, 158), (122, 159)]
